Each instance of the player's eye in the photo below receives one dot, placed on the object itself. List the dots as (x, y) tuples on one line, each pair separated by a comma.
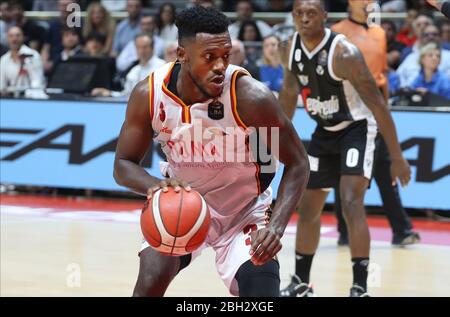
[(208, 57)]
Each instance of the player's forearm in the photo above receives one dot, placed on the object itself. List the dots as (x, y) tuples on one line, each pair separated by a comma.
[(292, 186), (385, 91), (288, 95), (288, 101), (134, 177), (388, 131)]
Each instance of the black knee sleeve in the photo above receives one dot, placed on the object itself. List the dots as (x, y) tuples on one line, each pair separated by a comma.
[(259, 281)]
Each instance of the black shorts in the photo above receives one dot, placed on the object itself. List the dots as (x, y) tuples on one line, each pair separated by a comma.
[(346, 152)]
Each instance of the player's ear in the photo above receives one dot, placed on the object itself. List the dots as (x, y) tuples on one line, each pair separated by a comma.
[(181, 54)]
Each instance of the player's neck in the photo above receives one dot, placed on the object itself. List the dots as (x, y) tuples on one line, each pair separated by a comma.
[(188, 90), (312, 42), (358, 17)]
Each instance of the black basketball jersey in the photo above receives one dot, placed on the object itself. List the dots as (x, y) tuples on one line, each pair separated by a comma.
[(332, 102)]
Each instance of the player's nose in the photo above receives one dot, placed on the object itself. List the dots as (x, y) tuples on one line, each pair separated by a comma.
[(220, 66)]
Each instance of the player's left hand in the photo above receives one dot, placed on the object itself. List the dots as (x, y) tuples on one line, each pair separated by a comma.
[(265, 245), (401, 170)]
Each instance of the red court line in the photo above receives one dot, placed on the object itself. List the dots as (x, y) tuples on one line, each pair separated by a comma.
[(97, 204), (382, 222), (432, 232)]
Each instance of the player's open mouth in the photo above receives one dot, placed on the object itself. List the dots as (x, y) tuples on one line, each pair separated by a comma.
[(218, 80)]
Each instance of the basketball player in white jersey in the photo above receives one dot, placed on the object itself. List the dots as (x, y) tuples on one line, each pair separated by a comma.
[(202, 90), (340, 94)]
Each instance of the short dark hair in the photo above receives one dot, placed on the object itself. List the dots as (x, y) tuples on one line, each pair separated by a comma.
[(144, 35), (198, 19), (391, 24), (16, 3), (96, 36), (253, 24), (323, 4)]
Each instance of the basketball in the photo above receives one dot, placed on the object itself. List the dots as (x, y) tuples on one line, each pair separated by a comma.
[(175, 223)]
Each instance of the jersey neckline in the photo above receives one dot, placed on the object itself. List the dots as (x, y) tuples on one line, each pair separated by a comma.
[(321, 45)]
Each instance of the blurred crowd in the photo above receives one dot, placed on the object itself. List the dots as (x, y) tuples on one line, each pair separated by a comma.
[(417, 48)]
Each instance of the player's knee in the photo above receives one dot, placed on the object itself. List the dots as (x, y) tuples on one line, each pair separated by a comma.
[(309, 217), (352, 206), (259, 281)]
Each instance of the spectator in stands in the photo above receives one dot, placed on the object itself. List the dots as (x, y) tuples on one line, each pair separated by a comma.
[(430, 78), (433, 34), (148, 62), (239, 58), (129, 55), (394, 82), (170, 51), (52, 47), (5, 12), (251, 37), (95, 45), (406, 35), (71, 43), (21, 67), (34, 34), (394, 47), (244, 11), (99, 20), (445, 32), (127, 30), (270, 67), (5, 21), (167, 29), (410, 68), (419, 26)]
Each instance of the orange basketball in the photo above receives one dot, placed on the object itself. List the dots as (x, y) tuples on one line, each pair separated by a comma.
[(175, 223)]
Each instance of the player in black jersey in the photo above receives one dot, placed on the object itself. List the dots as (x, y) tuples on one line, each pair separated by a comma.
[(340, 94)]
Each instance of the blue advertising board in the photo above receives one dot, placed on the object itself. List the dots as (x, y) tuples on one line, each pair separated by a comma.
[(71, 144)]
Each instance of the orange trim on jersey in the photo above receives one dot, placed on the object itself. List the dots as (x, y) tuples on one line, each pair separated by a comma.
[(151, 83), (186, 114), (257, 178), (233, 98), (258, 184)]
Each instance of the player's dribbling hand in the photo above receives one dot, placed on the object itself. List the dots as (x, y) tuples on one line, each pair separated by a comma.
[(177, 184), (265, 245), (401, 170)]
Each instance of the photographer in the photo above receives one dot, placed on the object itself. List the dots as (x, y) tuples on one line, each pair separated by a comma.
[(21, 66)]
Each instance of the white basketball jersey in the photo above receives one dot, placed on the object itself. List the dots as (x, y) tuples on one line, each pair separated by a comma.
[(206, 145)]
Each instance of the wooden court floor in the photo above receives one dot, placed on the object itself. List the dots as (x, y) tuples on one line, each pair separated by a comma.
[(49, 251)]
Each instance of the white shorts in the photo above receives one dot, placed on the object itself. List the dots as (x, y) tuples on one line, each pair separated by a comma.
[(229, 236)]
